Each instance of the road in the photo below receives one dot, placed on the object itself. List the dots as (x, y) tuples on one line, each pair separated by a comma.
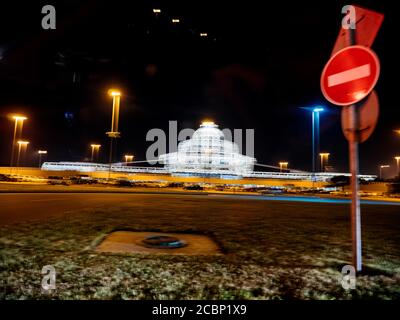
[(19, 207)]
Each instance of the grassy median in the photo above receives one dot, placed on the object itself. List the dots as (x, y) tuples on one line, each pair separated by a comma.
[(273, 250)]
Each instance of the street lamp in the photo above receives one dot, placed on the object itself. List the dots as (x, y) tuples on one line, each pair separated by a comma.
[(40, 152), (19, 119), (380, 170), (114, 133), (283, 165), (21, 144), (315, 134), (95, 149), (324, 155), (128, 158), (397, 158)]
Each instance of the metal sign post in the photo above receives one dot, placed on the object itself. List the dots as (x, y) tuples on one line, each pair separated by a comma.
[(354, 164), (348, 80)]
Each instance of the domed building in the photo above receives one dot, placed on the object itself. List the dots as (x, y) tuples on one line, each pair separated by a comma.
[(208, 153)]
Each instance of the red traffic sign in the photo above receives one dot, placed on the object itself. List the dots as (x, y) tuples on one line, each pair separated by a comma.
[(350, 75), (368, 23), (368, 113)]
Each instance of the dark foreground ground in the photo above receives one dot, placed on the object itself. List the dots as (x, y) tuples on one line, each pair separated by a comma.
[(273, 249)]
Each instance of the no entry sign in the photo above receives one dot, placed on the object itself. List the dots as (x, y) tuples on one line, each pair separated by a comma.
[(350, 75)]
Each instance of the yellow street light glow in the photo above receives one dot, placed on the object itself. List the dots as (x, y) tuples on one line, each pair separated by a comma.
[(128, 157), (95, 148), (397, 158), (397, 131), (203, 34), (42, 152), (24, 143), (157, 10), (325, 154), (18, 117), (175, 20), (114, 92), (283, 165)]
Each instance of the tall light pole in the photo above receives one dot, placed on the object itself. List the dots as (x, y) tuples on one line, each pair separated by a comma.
[(315, 133), (40, 152), (114, 133), (21, 144), (19, 122), (128, 158), (324, 155), (397, 158), (95, 150), (380, 170), (315, 111), (283, 165)]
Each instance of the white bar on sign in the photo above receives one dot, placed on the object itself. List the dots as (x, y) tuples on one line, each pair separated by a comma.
[(349, 75)]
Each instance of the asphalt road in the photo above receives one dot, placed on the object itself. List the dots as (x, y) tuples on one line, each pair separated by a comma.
[(19, 207)]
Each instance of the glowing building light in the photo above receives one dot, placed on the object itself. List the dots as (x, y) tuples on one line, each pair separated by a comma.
[(175, 20), (156, 10), (203, 34), (208, 153)]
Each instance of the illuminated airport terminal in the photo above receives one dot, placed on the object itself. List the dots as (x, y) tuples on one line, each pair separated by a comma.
[(209, 154)]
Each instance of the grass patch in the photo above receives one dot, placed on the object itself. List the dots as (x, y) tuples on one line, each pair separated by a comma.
[(273, 250)]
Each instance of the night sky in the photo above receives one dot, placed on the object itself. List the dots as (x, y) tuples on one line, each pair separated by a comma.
[(257, 67)]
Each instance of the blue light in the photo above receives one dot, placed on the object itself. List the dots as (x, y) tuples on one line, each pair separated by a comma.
[(318, 109)]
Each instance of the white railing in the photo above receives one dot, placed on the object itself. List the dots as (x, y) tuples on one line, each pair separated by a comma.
[(91, 167)]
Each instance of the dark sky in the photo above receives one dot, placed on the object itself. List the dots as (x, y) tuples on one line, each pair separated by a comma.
[(257, 67)]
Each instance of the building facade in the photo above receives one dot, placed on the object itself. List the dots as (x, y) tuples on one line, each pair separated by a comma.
[(208, 153)]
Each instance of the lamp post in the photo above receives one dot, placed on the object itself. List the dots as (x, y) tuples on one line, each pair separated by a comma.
[(128, 158), (19, 120), (315, 133), (21, 144), (283, 165), (324, 155), (397, 158), (40, 152), (380, 170), (95, 151), (315, 111), (114, 133)]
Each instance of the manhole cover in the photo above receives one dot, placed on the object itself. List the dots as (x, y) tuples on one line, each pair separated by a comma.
[(153, 243), (163, 242)]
